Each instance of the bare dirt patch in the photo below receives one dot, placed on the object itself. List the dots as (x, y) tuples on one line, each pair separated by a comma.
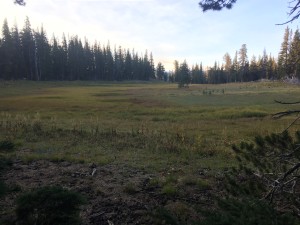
[(116, 194)]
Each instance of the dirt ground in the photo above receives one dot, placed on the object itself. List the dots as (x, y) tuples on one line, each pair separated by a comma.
[(116, 194)]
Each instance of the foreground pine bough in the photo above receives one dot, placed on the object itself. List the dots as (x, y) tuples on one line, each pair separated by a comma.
[(273, 163)]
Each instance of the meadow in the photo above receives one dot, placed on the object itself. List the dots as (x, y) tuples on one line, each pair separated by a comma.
[(148, 125)]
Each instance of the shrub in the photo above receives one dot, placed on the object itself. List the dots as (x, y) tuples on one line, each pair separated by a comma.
[(48, 206), (269, 168), (246, 212), (3, 189), (169, 190), (130, 188), (6, 145)]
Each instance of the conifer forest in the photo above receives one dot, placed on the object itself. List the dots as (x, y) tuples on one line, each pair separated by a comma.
[(92, 133), (29, 54)]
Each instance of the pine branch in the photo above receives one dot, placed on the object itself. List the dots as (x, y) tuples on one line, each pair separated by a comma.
[(285, 113), (293, 9), (290, 171), (20, 2), (286, 103), (291, 124)]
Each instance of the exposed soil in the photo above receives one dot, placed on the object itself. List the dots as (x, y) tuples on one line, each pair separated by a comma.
[(116, 194)]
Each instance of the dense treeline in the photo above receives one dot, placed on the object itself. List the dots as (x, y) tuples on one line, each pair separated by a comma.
[(240, 69), (28, 54)]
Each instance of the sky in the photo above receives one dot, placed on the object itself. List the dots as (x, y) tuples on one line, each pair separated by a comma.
[(170, 29)]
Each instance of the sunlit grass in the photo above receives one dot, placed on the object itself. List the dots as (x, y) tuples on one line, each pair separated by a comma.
[(154, 125)]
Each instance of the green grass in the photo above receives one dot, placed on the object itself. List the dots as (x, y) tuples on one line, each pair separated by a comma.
[(151, 125)]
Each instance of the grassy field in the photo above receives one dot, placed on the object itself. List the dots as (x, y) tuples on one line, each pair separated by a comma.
[(147, 125)]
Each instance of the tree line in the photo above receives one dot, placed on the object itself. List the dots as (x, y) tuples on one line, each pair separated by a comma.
[(28, 54), (240, 69)]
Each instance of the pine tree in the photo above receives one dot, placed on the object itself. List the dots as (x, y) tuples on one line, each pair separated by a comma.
[(253, 69), (7, 52), (118, 64), (29, 55), (28, 49), (195, 73), (64, 58), (135, 66), (201, 75), (128, 70), (284, 55), (1, 59), (43, 63), (295, 55), (235, 68), (109, 64), (243, 61), (272, 67), (184, 75), (18, 59), (152, 67), (57, 61), (227, 66), (160, 71), (264, 65), (99, 62), (88, 61), (176, 71)]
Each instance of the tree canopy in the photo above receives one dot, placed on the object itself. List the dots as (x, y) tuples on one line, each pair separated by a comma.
[(216, 4), (294, 7), (20, 2)]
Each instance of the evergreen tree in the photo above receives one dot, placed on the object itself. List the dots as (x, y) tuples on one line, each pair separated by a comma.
[(128, 70), (264, 65), (108, 64), (272, 67), (152, 67), (235, 68), (30, 55), (88, 61), (201, 74), (64, 58), (7, 50), (216, 74), (243, 62), (99, 62), (18, 59), (195, 74), (1, 59), (160, 71), (55, 59), (184, 75), (135, 66), (43, 63), (28, 49), (295, 55), (227, 66), (176, 71), (284, 65), (253, 69), (119, 64)]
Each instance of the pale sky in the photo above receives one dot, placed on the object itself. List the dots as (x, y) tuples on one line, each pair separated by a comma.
[(170, 29)]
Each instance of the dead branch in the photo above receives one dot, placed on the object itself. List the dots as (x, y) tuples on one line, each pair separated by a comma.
[(285, 113), (286, 103)]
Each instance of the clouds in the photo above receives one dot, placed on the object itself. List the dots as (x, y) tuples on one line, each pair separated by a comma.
[(171, 29)]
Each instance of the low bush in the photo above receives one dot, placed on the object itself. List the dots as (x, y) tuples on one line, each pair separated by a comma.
[(6, 145), (247, 212), (48, 206)]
